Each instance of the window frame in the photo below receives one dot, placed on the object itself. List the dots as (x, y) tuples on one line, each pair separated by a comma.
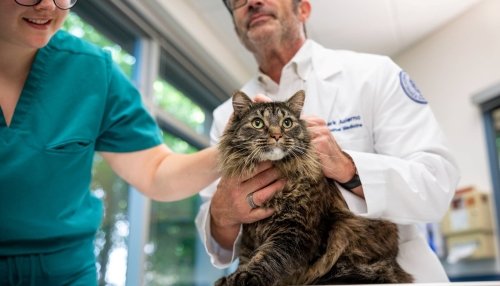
[(158, 56), (489, 100)]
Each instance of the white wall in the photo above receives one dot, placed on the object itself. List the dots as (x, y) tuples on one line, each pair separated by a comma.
[(452, 65)]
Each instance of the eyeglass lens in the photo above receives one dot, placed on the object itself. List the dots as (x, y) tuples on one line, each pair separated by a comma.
[(61, 4), (235, 4)]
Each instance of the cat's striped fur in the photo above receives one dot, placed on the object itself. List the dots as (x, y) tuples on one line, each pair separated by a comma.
[(312, 238)]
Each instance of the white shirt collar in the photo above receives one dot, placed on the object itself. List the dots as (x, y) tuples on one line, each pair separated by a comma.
[(302, 61), (310, 57), (300, 65)]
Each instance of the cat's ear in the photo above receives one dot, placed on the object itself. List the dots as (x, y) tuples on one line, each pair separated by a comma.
[(296, 102), (241, 103)]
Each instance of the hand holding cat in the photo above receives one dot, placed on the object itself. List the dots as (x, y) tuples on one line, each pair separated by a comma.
[(335, 164), (229, 208), (261, 98)]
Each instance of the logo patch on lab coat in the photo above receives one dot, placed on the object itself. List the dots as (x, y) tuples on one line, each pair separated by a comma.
[(410, 88)]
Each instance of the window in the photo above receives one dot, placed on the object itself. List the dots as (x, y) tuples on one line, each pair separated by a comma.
[(489, 103), (172, 252), (496, 124), (111, 239), (490, 106), (173, 101), (492, 124), (181, 99)]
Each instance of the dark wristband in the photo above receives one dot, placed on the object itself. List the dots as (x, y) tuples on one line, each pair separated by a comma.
[(354, 182)]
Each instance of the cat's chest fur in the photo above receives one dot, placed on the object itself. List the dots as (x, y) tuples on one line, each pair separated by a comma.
[(303, 198), (297, 194)]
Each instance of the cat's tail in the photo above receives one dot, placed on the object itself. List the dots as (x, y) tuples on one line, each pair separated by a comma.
[(400, 275), (338, 241)]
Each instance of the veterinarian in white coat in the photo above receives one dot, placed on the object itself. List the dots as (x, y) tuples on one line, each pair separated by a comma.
[(376, 113)]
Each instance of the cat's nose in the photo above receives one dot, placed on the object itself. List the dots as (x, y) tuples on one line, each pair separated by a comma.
[(276, 136)]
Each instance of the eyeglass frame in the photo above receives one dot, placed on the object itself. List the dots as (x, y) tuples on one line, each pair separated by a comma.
[(39, 1), (226, 3), (244, 2)]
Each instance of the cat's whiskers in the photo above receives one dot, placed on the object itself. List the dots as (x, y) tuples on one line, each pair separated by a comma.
[(301, 155), (300, 150), (250, 160), (238, 146)]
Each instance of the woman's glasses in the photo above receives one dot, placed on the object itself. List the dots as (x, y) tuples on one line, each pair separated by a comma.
[(61, 4)]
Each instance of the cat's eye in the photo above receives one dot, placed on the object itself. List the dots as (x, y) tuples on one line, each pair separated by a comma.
[(257, 123), (287, 123)]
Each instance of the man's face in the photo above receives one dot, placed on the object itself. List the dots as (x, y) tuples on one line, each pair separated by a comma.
[(261, 22)]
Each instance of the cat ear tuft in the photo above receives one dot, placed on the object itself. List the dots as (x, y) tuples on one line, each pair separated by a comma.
[(296, 102), (241, 103)]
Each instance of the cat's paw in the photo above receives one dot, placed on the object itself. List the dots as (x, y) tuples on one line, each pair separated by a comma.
[(247, 279), (240, 279), (221, 282)]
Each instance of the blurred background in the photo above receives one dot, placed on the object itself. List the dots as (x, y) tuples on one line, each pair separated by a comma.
[(186, 59)]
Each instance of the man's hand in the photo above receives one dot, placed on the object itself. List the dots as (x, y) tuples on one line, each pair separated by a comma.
[(336, 165), (261, 98), (229, 207)]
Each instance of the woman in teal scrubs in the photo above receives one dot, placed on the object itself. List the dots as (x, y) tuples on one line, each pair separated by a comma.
[(61, 100)]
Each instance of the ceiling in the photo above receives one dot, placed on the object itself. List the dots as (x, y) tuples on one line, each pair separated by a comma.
[(375, 26)]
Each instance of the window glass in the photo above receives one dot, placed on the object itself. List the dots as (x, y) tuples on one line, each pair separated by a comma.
[(111, 240), (496, 125), (76, 26), (171, 249), (174, 102), (174, 255), (178, 145)]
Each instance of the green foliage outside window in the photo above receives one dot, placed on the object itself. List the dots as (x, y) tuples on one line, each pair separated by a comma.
[(111, 238), (178, 145), (170, 250), (176, 103), (76, 26)]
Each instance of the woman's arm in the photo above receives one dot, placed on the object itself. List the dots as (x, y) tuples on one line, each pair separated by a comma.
[(164, 175)]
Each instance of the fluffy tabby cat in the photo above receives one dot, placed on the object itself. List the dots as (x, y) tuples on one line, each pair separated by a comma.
[(312, 238)]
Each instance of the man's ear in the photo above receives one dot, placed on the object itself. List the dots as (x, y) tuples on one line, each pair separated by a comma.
[(304, 10)]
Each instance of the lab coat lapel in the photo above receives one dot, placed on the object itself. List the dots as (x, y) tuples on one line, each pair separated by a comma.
[(321, 83)]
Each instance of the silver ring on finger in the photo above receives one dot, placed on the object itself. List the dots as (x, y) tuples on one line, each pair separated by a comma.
[(250, 201)]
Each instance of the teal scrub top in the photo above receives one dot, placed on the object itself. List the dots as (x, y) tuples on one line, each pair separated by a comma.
[(75, 101)]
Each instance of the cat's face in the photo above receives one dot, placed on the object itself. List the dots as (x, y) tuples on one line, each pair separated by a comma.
[(269, 131)]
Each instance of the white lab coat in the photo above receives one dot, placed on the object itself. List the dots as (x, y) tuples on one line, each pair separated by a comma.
[(379, 117)]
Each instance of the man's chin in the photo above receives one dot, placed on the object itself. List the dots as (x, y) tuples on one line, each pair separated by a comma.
[(260, 35)]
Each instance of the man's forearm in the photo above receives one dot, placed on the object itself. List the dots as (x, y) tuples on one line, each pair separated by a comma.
[(224, 235)]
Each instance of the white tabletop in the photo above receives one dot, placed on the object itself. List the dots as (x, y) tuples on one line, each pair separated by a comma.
[(478, 283)]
